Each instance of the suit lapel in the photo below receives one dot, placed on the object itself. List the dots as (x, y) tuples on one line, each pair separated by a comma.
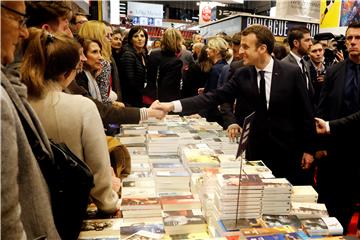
[(292, 59), (254, 84), (274, 81), (339, 84)]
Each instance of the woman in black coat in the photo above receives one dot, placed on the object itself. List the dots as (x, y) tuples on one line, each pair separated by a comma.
[(133, 67), (165, 68)]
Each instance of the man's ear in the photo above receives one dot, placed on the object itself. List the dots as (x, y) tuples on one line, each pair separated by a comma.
[(263, 48), (296, 43), (46, 27)]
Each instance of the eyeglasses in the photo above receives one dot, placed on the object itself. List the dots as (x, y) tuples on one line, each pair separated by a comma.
[(22, 21), (81, 22)]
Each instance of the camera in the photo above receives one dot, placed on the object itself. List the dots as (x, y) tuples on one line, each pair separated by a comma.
[(337, 44)]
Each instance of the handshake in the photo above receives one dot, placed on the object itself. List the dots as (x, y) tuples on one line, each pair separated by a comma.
[(160, 110)]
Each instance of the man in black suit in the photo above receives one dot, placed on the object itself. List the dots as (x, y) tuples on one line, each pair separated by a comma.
[(283, 127), (300, 42), (340, 97)]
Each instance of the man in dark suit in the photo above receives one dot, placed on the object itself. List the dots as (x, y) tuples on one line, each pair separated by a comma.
[(339, 98), (283, 127), (299, 40)]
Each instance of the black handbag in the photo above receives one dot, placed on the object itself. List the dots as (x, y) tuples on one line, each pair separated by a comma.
[(69, 180)]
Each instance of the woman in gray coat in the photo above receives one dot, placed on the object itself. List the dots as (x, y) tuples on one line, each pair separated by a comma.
[(25, 204)]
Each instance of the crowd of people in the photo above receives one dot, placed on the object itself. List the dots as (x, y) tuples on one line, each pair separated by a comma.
[(69, 78)]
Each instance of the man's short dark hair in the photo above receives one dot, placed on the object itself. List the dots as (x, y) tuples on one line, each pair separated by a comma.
[(46, 12), (263, 35), (77, 11), (354, 24), (296, 33), (236, 38), (315, 42)]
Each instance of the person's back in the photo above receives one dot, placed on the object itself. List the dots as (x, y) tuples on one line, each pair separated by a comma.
[(164, 75), (67, 118), (83, 133)]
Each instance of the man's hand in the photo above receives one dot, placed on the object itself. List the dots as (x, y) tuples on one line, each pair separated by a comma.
[(320, 126), (234, 131), (201, 91), (339, 56), (320, 154), (307, 160), (164, 106), (155, 113), (118, 104)]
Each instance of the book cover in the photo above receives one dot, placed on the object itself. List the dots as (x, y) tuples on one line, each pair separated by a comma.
[(185, 221), (140, 203), (281, 220), (127, 231), (230, 225), (256, 232), (231, 181)]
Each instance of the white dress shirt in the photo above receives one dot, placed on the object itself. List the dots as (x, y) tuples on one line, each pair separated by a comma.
[(298, 59), (268, 70)]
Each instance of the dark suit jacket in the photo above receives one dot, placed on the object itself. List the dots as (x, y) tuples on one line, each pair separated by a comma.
[(108, 113), (347, 125), (338, 145), (229, 111), (164, 76), (282, 133), (332, 95), (290, 59)]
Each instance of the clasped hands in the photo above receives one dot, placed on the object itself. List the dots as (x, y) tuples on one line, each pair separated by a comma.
[(160, 110)]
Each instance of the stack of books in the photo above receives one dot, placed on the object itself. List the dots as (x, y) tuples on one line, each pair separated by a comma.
[(308, 210), (169, 180), (276, 197), (135, 188), (136, 129), (140, 207), (229, 161), (180, 202), (324, 226), (162, 142), (304, 193), (257, 167), (131, 139), (247, 203), (164, 159), (199, 155)]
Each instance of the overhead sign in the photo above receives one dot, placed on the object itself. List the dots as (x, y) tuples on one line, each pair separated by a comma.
[(223, 12), (237, 23), (307, 10), (278, 27), (149, 10)]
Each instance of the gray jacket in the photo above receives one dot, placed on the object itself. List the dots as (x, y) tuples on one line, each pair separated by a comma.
[(25, 202)]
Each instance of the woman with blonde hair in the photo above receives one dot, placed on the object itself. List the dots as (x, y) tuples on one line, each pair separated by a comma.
[(98, 31), (218, 52), (164, 68), (49, 65)]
